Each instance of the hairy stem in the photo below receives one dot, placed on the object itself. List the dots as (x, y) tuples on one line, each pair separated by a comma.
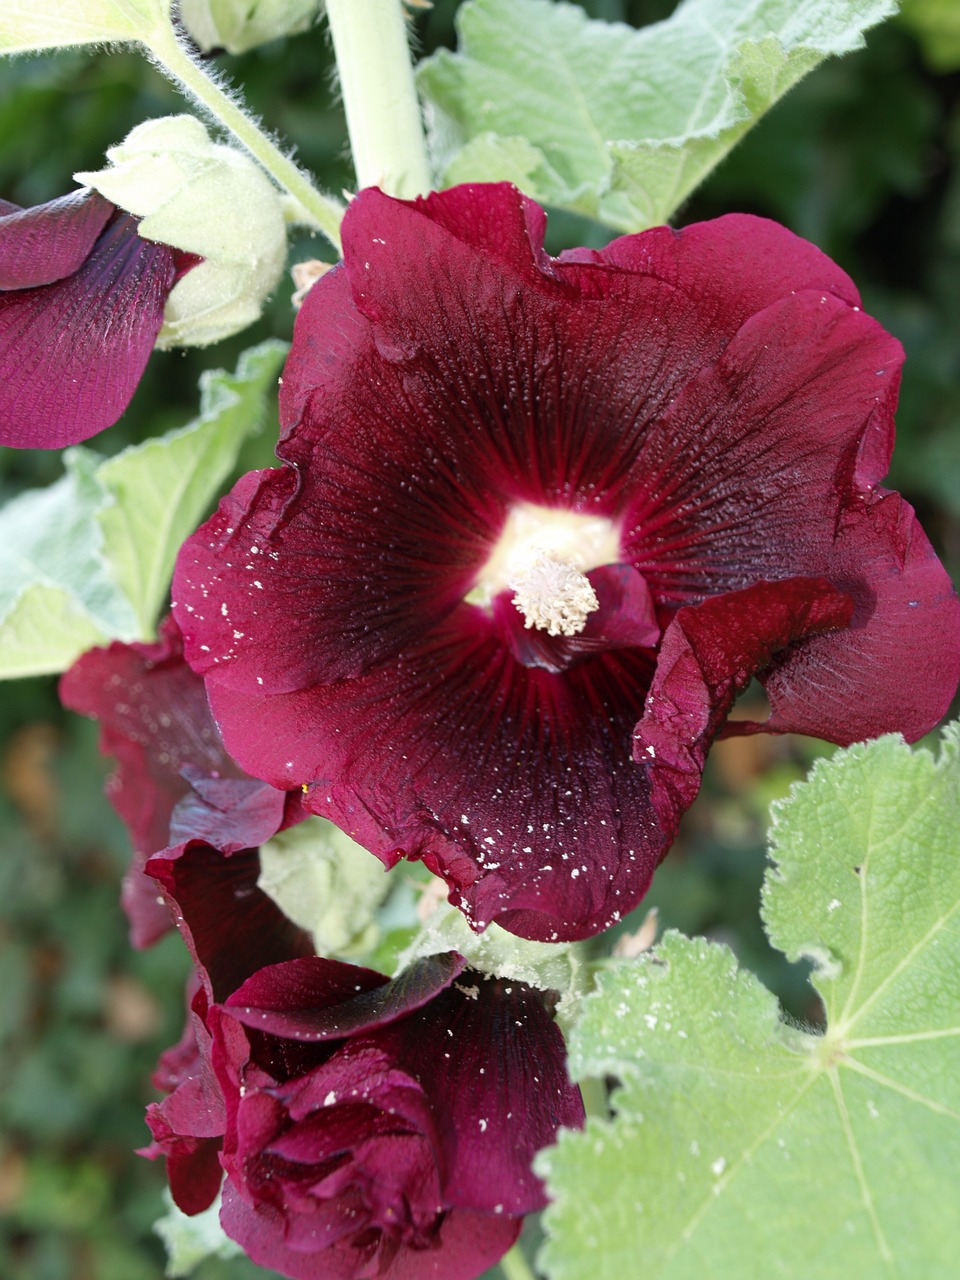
[(317, 209), (379, 96)]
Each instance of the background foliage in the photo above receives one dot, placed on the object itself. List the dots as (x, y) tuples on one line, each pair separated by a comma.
[(862, 158)]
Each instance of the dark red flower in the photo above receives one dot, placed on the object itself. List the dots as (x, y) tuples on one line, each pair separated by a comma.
[(232, 929), (81, 304), (381, 1128), (541, 520), (367, 1127), (174, 780)]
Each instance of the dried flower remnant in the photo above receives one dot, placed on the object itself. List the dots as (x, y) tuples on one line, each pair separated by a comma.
[(686, 431)]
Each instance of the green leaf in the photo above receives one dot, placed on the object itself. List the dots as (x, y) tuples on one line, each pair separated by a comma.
[(936, 24), (189, 1240), (326, 883), (89, 559), (547, 965), (57, 593), (54, 24), (613, 122), (744, 1147), (163, 488)]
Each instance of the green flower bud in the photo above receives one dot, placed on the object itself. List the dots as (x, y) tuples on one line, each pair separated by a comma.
[(237, 25), (208, 199)]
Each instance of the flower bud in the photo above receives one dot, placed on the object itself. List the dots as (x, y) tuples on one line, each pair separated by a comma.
[(238, 25), (208, 199)]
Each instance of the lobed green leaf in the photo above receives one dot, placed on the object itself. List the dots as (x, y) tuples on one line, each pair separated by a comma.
[(745, 1147), (614, 122)]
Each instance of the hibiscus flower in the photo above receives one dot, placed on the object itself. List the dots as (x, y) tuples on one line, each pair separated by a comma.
[(81, 304), (540, 520)]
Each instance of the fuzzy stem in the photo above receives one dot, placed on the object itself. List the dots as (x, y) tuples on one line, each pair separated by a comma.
[(379, 95), (321, 211), (514, 1265)]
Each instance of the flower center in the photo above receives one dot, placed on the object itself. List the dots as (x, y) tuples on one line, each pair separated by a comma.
[(543, 555), (553, 596)]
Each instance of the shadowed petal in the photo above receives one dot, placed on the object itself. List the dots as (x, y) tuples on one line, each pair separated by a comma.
[(72, 352), (50, 241), (499, 1068), (230, 926), (318, 999), (710, 652), (465, 1245)]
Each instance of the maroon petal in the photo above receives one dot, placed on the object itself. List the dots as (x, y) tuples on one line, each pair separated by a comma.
[(193, 1164), (560, 839), (902, 642), (187, 1126), (465, 1245), (318, 999), (155, 720), (709, 654), (230, 813), (230, 926), (50, 241), (72, 352), (497, 1080)]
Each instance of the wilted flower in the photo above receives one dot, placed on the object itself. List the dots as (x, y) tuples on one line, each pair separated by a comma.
[(541, 520), (173, 781), (81, 303), (359, 1120)]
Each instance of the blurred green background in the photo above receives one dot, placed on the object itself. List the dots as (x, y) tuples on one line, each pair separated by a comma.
[(863, 158)]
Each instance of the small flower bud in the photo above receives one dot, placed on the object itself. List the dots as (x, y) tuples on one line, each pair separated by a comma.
[(208, 199), (238, 25)]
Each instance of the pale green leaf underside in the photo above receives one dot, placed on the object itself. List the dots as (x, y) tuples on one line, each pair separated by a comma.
[(324, 882), (610, 121), (162, 488), (89, 559), (745, 1148), (189, 1240), (49, 24)]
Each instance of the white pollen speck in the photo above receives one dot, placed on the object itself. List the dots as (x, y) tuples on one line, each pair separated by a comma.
[(651, 751), (718, 1166), (330, 1098), (483, 1126), (833, 904), (259, 679), (223, 608)]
